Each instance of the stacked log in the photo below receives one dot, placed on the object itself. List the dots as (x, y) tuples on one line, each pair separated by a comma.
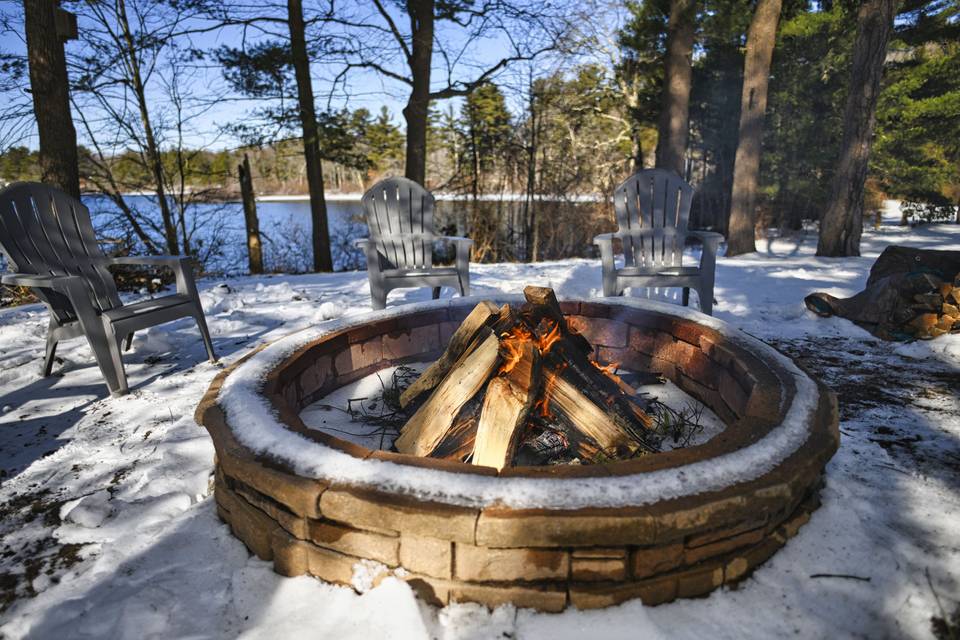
[(910, 294), (519, 386)]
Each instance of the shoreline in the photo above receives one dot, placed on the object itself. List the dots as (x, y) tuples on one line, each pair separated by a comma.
[(356, 196)]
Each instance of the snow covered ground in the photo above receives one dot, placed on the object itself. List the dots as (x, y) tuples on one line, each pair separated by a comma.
[(108, 529)]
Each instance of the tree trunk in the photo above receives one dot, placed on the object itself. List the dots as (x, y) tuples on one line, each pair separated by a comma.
[(50, 87), (842, 222), (753, 105), (322, 260), (674, 124), (252, 223), (150, 142), (418, 104)]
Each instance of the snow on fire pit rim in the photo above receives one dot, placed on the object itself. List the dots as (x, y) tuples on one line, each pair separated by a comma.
[(256, 425)]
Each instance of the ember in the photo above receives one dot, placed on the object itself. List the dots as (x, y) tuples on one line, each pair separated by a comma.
[(518, 386)]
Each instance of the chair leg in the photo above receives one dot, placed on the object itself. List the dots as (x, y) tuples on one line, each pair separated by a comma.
[(128, 342), (378, 295), (205, 334), (50, 353), (106, 349), (686, 296), (436, 293), (706, 300)]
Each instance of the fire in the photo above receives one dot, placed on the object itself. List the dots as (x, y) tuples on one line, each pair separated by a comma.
[(609, 369), (550, 339), (511, 346), (550, 382)]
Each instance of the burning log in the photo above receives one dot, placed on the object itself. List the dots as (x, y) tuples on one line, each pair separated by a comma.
[(512, 378)]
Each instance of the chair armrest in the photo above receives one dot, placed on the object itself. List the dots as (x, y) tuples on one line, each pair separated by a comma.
[(711, 242), (148, 261), (707, 237), (369, 247), (455, 239), (74, 288), (31, 280)]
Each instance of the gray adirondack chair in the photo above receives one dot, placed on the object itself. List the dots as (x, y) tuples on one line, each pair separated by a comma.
[(652, 208), (47, 237), (399, 251)]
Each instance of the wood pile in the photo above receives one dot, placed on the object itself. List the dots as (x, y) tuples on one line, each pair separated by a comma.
[(519, 386), (910, 294)]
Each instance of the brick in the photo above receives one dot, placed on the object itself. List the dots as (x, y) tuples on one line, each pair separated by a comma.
[(416, 341), (299, 495), (600, 552), (598, 569), (485, 564), (702, 516), (447, 329), (289, 554), (597, 596), (428, 556), (330, 566), (292, 523), (648, 341), (363, 544), (699, 580), (697, 554), (653, 560), (315, 377), (252, 526), (726, 532), (588, 527), (359, 356), (369, 509), (433, 591), (540, 598), (600, 331), (733, 394), (700, 369)]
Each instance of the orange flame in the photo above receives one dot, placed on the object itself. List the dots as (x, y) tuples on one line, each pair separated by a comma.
[(549, 385), (550, 339), (511, 343)]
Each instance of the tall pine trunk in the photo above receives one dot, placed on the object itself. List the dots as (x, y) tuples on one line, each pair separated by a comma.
[(753, 105), (842, 222), (50, 88), (151, 147), (674, 124), (322, 260), (418, 103), (250, 219)]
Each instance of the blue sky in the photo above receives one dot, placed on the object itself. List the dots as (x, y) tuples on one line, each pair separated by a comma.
[(363, 89)]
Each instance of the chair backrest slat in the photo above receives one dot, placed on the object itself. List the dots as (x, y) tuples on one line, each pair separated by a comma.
[(656, 203), (46, 232), (399, 213)]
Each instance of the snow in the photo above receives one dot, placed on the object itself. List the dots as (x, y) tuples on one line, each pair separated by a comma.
[(108, 528)]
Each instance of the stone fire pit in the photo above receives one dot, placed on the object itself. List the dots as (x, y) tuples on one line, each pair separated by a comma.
[(673, 524)]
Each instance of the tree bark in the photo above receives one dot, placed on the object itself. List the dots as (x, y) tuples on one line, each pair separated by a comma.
[(842, 221), (150, 142), (252, 223), (50, 87), (674, 123), (418, 103), (753, 105), (322, 260)]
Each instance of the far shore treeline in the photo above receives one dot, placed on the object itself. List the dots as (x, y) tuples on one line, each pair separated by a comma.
[(780, 113)]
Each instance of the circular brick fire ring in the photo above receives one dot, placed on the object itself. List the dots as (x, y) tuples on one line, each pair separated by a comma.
[(676, 524)]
